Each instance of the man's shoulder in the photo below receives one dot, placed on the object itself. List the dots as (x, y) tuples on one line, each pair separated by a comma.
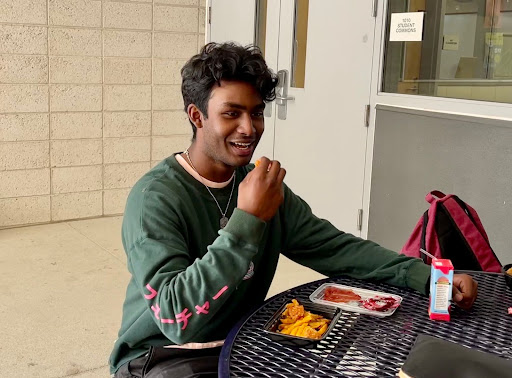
[(161, 181), (154, 196), (161, 177)]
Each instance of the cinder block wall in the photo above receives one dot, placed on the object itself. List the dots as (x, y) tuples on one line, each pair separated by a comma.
[(89, 101)]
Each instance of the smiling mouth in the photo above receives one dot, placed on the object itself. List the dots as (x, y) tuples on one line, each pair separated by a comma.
[(242, 146)]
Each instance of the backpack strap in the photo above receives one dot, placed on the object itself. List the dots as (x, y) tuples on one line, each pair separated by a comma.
[(478, 241), (434, 195), (431, 239), (472, 214), (423, 244)]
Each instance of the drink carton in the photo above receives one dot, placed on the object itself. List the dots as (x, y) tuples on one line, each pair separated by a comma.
[(441, 283)]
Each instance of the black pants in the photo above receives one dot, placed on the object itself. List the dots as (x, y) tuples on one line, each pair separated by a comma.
[(169, 363)]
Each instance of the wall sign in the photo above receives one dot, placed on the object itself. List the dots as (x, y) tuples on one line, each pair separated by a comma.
[(406, 26), (450, 42)]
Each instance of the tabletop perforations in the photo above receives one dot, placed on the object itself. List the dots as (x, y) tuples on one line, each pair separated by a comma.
[(368, 346)]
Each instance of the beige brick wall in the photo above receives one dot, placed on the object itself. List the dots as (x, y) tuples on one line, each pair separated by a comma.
[(89, 101)]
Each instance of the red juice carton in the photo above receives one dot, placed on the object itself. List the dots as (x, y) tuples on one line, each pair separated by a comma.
[(441, 283)]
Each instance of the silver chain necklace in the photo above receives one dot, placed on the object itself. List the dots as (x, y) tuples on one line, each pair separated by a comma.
[(223, 219)]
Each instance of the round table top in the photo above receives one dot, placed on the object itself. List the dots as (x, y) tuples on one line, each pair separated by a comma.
[(364, 345)]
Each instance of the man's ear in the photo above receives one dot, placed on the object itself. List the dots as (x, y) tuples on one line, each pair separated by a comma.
[(195, 116)]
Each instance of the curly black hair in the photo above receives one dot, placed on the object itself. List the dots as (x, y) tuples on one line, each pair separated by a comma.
[(224, 61)]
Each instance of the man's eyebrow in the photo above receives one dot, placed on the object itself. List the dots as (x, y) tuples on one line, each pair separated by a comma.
[(242, 107)]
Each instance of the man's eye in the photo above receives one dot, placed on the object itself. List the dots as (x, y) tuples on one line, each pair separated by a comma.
[(258, 114), (231, 114)]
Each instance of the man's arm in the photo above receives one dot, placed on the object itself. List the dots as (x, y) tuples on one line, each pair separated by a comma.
[(316, 243), (174, 285), (183, 294)]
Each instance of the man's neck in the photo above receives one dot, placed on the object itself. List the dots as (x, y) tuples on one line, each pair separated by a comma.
[(216, 172), (182, 160)]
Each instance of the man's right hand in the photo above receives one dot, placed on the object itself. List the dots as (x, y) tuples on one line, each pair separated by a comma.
[(261, 192)]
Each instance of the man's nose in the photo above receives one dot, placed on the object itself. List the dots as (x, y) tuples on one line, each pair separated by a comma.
[(246, 125)]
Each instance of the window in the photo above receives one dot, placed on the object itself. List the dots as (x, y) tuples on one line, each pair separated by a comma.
[(261, 25), (465, 50), (300, 39)]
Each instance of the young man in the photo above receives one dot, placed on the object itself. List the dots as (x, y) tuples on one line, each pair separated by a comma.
[(203, 230)]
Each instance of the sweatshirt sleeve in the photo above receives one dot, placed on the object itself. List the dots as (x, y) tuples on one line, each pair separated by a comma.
[(317, 244), (183, 293)]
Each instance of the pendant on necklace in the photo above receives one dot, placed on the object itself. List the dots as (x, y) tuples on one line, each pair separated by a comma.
[(223, 222)]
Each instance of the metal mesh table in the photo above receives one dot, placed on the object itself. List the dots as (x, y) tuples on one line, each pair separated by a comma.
[(368, 346)]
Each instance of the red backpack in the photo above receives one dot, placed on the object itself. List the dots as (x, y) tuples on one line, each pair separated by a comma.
[(451, 229)]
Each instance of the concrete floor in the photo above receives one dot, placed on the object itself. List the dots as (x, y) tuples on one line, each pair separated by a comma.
[(61, 292)]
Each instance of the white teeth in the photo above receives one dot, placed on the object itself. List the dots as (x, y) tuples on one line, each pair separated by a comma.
[(243, 145)]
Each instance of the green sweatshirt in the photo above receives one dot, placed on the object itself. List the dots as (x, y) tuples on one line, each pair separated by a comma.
[(191, 281)]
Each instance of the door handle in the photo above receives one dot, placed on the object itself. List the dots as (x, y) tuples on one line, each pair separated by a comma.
[(280, 100), (282, 94)]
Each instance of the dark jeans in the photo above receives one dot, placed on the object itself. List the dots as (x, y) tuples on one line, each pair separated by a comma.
[(168, 363)]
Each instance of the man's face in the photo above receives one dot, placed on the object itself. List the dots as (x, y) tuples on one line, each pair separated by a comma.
[(234, 125)]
